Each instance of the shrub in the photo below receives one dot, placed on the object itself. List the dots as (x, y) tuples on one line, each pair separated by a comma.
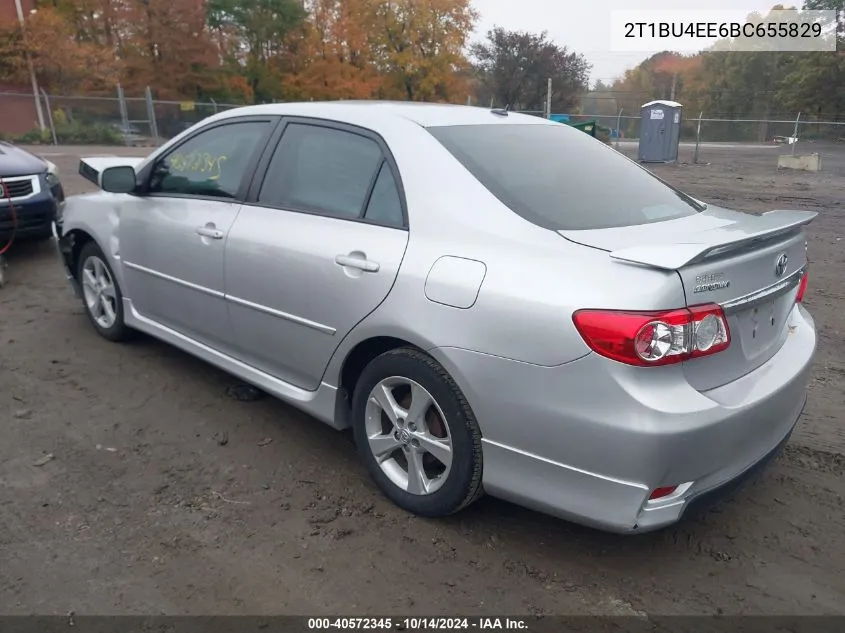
[(73, 133), (77, 133), (34, 137)]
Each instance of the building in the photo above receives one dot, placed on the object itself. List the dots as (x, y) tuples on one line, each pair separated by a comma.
[(8, 10)]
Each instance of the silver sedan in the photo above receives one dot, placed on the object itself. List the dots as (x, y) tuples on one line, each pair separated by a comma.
[(493, 302)]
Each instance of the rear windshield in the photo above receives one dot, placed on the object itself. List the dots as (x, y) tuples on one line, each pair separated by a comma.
[(561, 178)]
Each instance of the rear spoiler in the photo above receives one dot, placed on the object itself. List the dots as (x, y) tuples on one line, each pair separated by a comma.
[(674, 256), (91, 167)]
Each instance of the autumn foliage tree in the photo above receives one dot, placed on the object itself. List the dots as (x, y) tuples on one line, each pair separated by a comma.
[(336, 56), (419, 47), (245, 50), (393, 49), (168, 46), (61, 62)]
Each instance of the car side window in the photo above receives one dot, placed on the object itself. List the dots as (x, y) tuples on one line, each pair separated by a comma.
[(385, 205), (322, 170), (212, 163)]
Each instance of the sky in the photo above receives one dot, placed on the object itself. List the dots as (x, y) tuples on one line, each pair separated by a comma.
[(584, 27)]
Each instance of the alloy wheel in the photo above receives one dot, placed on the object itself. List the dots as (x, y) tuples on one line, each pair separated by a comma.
[(99, 292), (408, 435)]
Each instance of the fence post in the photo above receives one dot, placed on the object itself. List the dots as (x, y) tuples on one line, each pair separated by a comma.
[(35, 96), (618, 127), (697, 139), (213, 104), (795, 134), (151, 113), (50, 116), (124, 114)]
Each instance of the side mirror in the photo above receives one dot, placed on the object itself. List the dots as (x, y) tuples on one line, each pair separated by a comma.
[(118, 179)]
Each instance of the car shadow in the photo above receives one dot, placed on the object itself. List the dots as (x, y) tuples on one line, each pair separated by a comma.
[(26, 250)]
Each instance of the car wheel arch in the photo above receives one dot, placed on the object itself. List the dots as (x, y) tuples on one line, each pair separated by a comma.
[(364, 352), (77, 238)]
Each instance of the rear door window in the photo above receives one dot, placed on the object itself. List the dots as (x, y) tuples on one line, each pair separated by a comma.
[(322, 170), (560, 178), (385, 205)]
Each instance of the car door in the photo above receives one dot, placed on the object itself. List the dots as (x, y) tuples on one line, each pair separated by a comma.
[(173, 235), (315, 249)]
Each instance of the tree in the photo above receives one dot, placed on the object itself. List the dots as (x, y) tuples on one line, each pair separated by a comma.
[(253, 38), (815, 82), (165, 45), (97, 22), (831, 5), (418, 47), (335, 59), (12, 53), (673, 67), (514, 67), (61, 63)]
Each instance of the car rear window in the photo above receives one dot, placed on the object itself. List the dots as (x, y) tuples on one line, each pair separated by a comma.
[(561, 178)]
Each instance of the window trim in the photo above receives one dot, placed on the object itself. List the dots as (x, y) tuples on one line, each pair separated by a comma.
[(372, 187), (263, 166), (145, 176)]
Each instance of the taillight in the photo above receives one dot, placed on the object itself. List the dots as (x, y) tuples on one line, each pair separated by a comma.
[(654, 338), (802, 288)]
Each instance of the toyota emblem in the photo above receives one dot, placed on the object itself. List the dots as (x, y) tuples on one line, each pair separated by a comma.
[(780, 265)]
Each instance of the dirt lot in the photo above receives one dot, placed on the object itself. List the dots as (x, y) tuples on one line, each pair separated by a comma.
[(165, 495)]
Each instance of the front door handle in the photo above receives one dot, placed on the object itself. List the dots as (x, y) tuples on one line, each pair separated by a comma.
[(209, 230), (359, 263)]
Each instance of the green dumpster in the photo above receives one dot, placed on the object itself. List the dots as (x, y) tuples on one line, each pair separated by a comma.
[(586, 126)]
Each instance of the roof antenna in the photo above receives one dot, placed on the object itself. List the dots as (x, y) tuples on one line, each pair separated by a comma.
[(501, 111)]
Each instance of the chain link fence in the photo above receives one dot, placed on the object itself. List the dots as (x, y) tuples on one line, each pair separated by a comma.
[(144, 121), (101, 120), (720, 130)]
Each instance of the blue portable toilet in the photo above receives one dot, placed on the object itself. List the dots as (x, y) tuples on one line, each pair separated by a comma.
[(660, 131)]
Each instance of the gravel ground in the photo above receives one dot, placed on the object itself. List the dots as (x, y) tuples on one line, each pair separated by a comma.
[(130, 483)]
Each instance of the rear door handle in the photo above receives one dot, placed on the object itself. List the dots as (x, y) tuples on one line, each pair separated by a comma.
[(348, 261), (210, 231)]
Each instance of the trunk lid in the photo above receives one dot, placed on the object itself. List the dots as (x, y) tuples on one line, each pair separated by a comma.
[(751, 265)]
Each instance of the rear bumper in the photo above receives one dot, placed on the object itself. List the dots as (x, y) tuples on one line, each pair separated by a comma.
[(706, 499), (589, 440)]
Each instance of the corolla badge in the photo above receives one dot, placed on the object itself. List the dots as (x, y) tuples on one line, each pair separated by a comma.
[(708, 282), (780, 265)]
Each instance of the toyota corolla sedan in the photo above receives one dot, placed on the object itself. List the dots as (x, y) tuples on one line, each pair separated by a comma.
[(492, 302)]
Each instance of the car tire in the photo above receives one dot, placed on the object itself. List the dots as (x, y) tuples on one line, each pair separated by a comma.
[(101, 294), (410, 474)]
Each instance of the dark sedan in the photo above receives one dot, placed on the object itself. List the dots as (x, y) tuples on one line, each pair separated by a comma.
[(30, 186)]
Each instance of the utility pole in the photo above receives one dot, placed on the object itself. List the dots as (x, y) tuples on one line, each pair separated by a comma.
[(549, 99), (31, 68)]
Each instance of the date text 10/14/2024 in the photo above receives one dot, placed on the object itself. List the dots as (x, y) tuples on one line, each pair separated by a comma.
[(411, 624)]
